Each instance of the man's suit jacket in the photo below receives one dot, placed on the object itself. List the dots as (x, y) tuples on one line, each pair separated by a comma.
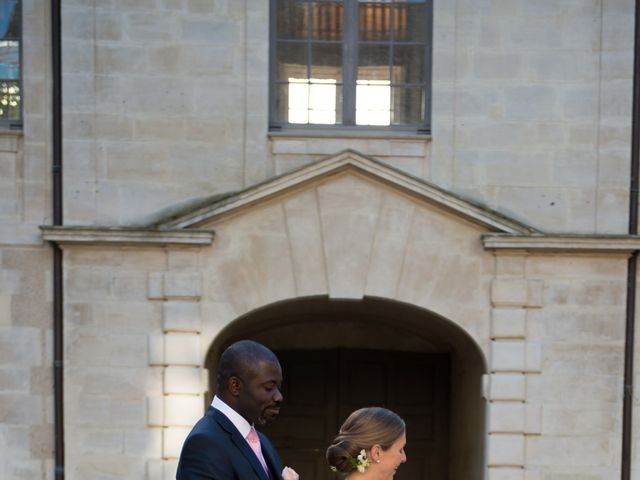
[(215, 450)]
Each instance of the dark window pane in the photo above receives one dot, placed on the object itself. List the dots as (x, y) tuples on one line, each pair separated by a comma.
[(409, 22), (408, 64), (407, 105), (326, 20), (373, 62), (292, 18), (326, 61), (374, 21), (292, 61)]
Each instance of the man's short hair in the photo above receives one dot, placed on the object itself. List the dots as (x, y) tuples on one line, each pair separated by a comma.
[(240, 359)]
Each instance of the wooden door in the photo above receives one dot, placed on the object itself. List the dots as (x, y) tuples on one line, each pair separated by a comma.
[(322, 387)]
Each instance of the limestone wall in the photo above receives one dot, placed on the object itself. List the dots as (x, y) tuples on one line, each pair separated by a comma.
[(167, 102), (139, 323), (26, 359)]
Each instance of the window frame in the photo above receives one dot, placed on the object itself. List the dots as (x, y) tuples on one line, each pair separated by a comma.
[(17, 124), (349, 71)]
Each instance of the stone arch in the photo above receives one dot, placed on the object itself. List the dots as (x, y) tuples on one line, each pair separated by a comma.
[(379, 324)]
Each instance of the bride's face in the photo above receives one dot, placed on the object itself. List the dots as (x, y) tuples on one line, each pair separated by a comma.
[(392, 458)]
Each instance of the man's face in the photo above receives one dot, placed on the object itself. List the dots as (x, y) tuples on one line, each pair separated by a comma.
[(259, 398)]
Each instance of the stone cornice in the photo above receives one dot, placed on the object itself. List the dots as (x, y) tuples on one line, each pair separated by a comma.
[(126, 236), (349, 160), (563, 242)]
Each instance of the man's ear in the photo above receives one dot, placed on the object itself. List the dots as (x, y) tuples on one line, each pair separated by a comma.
[(234, 385)]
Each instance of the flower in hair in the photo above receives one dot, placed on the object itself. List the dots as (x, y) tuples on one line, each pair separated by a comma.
[(361, 462)]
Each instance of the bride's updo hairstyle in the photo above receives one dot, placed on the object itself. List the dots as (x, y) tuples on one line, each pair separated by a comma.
[(363, 429)]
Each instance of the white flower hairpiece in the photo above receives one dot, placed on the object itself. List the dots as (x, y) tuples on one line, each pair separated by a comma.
[(361, 462)]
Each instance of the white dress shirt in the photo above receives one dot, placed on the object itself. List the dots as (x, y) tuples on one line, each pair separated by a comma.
[(234, 417)]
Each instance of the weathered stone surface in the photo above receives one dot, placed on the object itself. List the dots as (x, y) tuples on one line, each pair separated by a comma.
[(506, 450)]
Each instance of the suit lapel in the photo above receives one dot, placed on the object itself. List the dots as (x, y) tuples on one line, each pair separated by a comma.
[(270, 457), (239, 442)]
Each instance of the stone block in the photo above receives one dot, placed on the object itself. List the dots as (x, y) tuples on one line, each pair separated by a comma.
[(506, 450), (587, 453), (510, 265), (533, 357), (182, 285), (183, 380), (173, 438), (182, 349), (7, 167), (21, 409), (509, 292), (156, 350), (158, 469), (182, 317), (507, 387), (529, 103), (508, 356), (155, 286), (143, 443), (92, 348), (533, 419), (508, 323), (347, 256), (182, 410), (20, 345), (304, 233), (498, 473), (129, 286), (182, 259), (155, 411), (8, 142), (506, 417), (155, 469), (88, 441), (535, 293), (5, 310), (14, 379)]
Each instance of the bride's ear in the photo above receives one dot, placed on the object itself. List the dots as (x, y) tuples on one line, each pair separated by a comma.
[(376, 451)]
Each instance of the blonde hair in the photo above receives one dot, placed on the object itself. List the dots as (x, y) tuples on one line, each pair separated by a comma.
[(363, 429)]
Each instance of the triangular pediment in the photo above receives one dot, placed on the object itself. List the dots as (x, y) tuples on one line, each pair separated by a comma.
[(344, 162)]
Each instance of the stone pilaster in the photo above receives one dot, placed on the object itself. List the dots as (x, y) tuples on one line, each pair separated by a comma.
[(178, 350), (514, 356)]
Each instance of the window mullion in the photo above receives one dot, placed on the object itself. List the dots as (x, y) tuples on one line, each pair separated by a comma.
[(350, 61)]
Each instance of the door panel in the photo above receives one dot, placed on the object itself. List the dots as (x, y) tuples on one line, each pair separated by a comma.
[(321, 388)]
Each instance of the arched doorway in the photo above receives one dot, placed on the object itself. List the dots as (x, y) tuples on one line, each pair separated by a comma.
[(339, 355)]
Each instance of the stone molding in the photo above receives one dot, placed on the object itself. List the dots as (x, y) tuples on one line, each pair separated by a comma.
[(563, 243), (354, 161), (126, 236)]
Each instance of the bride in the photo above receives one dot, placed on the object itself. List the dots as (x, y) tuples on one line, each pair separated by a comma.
[(369, 446)]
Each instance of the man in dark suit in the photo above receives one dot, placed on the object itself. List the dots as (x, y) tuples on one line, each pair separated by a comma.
[(224, 445)]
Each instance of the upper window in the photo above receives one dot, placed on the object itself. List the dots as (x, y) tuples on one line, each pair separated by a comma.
[(353, 64), (10, 39)]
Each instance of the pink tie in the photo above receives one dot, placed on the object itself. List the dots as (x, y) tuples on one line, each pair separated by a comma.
[(254, 443)]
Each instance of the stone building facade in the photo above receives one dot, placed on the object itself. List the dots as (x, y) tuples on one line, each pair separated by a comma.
[(487, 259)]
